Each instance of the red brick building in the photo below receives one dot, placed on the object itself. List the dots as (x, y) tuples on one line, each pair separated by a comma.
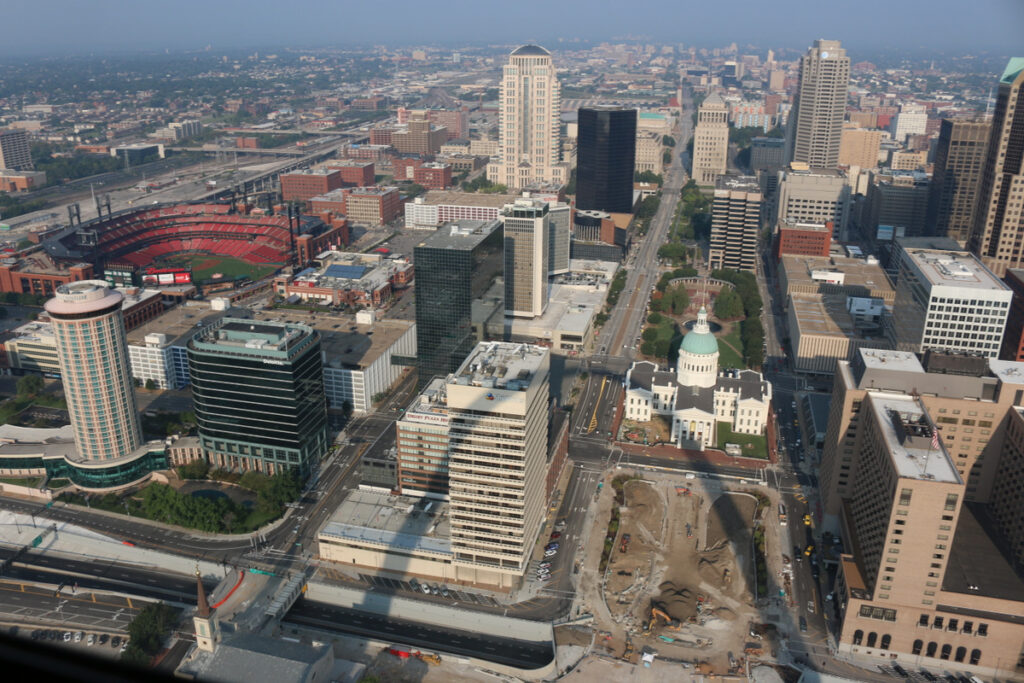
[(307, 246), (405, 167), (247, 142), (433, 176), (1013, 338), (375, 103), (803, 239), (37, 273), (302, 186), (354, 173)]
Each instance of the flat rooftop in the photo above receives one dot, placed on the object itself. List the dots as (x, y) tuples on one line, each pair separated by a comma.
[(397, 522), (856, 272), (738, 184), (346, 344), (883, 359), (959, 269), (907, 431), (827, 315), (500, 365), (39, 262), (463, 234), (430, 402), (787, 224)]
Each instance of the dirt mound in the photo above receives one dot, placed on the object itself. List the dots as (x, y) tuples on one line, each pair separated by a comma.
[(712, 566), (675, 601)]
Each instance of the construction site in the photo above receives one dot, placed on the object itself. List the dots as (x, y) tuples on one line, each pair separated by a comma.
[(675, 575)]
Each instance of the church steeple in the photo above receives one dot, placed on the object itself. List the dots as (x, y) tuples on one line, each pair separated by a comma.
[(205, 621), (203, 609)]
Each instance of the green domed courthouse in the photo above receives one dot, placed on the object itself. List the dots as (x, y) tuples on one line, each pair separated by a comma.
[(697, 396)]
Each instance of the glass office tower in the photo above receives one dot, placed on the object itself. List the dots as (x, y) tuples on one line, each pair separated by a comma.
[(259, 395), (606, 154), (456, 272)]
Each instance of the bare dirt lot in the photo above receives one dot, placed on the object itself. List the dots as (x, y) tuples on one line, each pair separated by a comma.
[(682, 586)]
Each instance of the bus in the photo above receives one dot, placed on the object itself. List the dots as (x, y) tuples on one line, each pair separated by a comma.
[(782, 515)]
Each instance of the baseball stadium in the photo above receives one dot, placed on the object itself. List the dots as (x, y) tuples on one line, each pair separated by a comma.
[(200, 242)]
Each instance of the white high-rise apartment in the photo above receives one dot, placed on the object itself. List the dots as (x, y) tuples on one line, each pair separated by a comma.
[(912, 120), (711, 140), (93, 355), (498, 432), (816, 121), (948, 301), (527, 241), (529, 122)]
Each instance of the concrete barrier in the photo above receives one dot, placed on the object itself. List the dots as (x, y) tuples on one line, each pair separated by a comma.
[(430, 613)]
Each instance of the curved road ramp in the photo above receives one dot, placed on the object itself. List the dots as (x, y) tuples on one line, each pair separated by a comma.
[(517, 647)]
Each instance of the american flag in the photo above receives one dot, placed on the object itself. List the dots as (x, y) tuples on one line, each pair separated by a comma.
[(935, 438)]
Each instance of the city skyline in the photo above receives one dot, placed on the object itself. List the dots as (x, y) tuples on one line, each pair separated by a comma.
[(114, 25)]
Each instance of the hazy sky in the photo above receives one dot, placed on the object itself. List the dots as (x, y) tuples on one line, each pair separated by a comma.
[(83, 26)]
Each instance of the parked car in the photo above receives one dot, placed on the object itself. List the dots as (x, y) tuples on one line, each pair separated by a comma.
[(104, 638), (115, 641), (67, 636), (544, 565), (78, 637), (91, 640), (550, 553), (425, 588), (803, 625), (556, 535)]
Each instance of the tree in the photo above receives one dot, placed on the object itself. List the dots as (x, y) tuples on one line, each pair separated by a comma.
[(648, 348), (668, 141), (650, 334), (151, 385), (666, 157), (655, 318), (647, 177), (29, 386), (728, 305), (150, 627), (414, 190)]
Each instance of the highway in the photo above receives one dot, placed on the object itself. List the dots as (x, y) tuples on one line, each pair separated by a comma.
[(507, 651)]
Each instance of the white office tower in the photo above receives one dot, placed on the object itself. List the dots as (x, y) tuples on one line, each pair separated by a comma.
[(816, 121), (947, 301), (527, 223), (498, 433), (711, 140), (529, 122)]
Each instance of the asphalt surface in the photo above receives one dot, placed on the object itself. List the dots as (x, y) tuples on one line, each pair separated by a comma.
[(507, 651)]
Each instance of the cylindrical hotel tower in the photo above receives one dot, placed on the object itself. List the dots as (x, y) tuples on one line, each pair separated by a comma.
[(93, 355)]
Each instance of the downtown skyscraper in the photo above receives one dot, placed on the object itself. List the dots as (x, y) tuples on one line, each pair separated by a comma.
[(816, 120), (529, 122), (999, 216)]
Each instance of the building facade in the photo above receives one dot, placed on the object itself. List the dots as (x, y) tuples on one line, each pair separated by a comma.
[(959, 159), (815, 123), (711, 140), (498, 434), (259, 398), (301, 186), (859, 146), (15, 153), (999, 217), (917, 467), (814, 196), (529, 126), (422, 443), (527, 223), (605, 157), (948, 301), (457, 269), (803, 239), (767, 154), (89, 330), (735, 224)]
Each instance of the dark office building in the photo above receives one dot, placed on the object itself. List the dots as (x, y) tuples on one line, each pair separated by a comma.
[(605, 157), (959, 160), (456, 268), (259, 398)]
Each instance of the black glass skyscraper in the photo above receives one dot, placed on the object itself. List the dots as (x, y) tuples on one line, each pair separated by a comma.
[(258, 390), (605, 158), (456, 269)]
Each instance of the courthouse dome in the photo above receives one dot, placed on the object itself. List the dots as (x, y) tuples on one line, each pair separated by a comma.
[(700, 341)]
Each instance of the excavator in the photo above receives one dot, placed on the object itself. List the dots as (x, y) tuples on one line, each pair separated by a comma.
[(670, 623)]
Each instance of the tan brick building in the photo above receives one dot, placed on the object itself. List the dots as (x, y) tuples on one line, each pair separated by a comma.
[(921, 474)]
